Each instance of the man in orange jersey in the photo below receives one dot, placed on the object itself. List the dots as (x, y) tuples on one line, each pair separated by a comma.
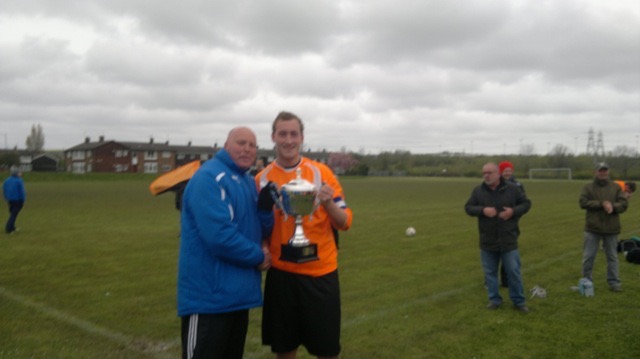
[(302, 300)]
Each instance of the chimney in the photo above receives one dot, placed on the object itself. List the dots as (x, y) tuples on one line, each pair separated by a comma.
[(87, 139), (101, 138), (151, 140), (189, 144)]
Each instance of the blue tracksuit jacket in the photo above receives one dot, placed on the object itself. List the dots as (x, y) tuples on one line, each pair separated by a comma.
[(220, 246), (13, 189)]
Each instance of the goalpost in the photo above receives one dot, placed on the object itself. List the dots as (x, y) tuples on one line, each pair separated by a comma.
[(550, 173)]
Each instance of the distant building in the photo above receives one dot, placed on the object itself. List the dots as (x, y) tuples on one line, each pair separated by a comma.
[(45, 162), (23, 158), (145, 157), (131, 157)]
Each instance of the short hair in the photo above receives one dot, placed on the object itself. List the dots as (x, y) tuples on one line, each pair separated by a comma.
[(286, 116), (632, 186)]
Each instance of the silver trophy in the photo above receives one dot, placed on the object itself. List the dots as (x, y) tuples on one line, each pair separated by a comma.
[(299, 200)]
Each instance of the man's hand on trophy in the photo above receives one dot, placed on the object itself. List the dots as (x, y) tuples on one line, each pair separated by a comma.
[(268, 196), (325, 194)]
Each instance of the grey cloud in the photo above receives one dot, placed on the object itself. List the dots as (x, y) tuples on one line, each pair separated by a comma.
[(418, 75)]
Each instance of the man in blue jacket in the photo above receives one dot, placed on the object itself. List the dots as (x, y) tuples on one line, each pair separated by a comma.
[(15, 195), (499, 206), (221, 252)]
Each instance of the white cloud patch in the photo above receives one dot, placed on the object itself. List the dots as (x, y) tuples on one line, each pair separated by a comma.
[(377, 75)]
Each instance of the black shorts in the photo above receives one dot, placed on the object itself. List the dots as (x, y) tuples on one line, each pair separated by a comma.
[(301, 310), (214, 335)]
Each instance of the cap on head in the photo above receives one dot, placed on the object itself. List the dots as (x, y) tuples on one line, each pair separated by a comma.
[(505, 164), (602, 166), (14, 170)]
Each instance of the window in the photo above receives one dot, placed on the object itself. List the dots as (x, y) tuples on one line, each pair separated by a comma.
[(151, 155), (77, 155), (150, 167), (78, 167), (166, 154), (121, 168)]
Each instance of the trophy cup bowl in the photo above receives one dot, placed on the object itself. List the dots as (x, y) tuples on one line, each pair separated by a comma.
[(299, 200)]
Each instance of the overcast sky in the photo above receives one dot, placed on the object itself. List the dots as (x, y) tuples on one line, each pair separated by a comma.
[(364, 75)]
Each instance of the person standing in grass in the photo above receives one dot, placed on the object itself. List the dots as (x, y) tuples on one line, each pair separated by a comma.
[(506, 171), (15, 195), (221, 252), (302, 300), (603, 201), (499, 206)]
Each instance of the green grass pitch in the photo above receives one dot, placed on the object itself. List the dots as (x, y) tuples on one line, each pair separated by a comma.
[(92, 274)]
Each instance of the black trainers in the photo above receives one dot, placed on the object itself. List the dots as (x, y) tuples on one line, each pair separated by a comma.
[(493, 306), (522, 308)]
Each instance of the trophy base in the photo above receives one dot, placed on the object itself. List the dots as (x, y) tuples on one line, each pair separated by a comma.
[(301, 254)]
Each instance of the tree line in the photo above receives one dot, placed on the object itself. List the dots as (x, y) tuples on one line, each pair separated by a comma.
[(624, 163)]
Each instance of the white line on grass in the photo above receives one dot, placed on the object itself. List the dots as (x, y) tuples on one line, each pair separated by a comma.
[(128, 342)]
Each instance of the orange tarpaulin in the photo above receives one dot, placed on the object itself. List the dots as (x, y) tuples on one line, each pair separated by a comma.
[(174, 179)]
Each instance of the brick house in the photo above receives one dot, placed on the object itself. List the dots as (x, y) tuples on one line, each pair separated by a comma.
[(131, 157), (21, 157), (145, 157)]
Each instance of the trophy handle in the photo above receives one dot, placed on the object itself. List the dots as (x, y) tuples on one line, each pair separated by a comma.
[(280, 203), (316, 204)]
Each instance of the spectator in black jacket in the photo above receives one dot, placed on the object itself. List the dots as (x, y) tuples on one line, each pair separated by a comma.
[(499, 206), (506, 171)]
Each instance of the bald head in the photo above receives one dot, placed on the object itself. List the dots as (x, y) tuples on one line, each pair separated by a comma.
[(241, 146)]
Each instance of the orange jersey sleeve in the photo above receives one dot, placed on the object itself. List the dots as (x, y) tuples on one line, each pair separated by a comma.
[(317, 227)]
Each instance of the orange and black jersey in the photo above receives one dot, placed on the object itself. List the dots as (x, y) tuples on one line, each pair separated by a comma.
[(317, 227)]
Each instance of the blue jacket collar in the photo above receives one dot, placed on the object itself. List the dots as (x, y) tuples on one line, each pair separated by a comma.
[(225, 158)]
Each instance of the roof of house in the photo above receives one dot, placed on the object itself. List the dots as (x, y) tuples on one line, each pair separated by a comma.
[(144, 146), (89, 145), (16, 151), (47, 155)]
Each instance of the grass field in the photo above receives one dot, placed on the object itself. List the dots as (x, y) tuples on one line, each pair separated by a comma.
[(92, 275)]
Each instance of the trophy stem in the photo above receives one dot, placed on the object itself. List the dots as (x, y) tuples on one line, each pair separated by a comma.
[(299, 238)]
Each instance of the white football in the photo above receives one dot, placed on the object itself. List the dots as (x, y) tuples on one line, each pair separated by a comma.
[(410, 232)]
